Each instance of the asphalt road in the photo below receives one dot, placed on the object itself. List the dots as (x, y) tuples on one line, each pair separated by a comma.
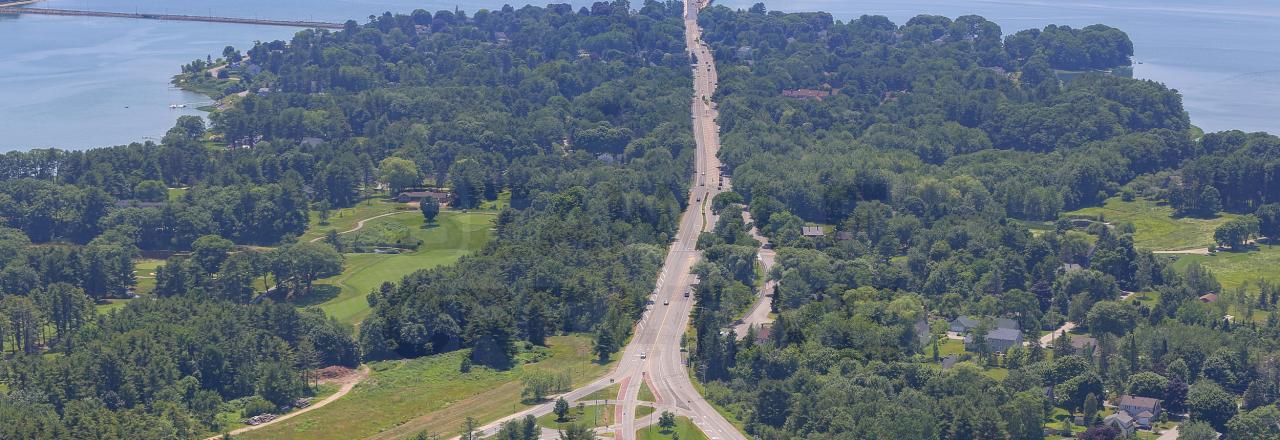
[(759, 313), (654, 351)]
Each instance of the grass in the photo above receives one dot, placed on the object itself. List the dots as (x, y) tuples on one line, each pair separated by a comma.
[(453, 235), (145, 271), (345, 219), (607, 393), (404, 397), (1235, 269), (591, 416), (949, 347), (644, 410), (230, 413), (646, 394), (1156, 227), (684, 427)]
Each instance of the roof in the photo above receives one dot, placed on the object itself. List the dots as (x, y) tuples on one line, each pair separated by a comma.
[(1145, 415), (1005, 334), (424, 194), (1071, 267), (970, 322), (1000, 334), (806, 94), (1081, 342), (812, 231), (1121, 416), (1137, 401), (1209, 297)]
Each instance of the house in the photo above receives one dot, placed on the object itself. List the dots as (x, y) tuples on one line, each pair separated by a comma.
[(964, 324), (1069, 268), (138, 204), (1081, 343), (998, 340), (1208, 297), (806, 94), (844, 236), (1121, 421), (922, 332), (812, 231), (1138, 405), (417, 196)]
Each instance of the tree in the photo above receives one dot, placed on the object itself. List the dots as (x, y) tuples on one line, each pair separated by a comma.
[(210, 251), (1100, 432), (151, 191), (466, 178), (279, 384), (430, 209), (468, 430), (561, 409), (604, 344), (1269, 221), (577, 432), (1197, 430), (1024, 415), (1148, 384), (399, 173), (667, 421), (772, 404), (1260, 423), (1237, 232), (1112, 317), (492, 338), (300, 264), (1208, 402), (67, 308), (1090, 408)]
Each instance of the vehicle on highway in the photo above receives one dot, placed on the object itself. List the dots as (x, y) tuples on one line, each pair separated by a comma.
[(666, 302), (642, 355)]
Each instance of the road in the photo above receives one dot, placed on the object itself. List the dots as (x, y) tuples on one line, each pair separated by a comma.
[(654, 353), (759, 313), (347, 384)]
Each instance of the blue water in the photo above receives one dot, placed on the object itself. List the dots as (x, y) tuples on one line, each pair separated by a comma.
[(79, 82)]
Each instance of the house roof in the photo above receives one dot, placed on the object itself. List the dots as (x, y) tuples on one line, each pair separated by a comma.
[(969, 322), (1145, 415), (1000, 334), (812, 231), (1080, 342), (1122, 417), (1137, 402)]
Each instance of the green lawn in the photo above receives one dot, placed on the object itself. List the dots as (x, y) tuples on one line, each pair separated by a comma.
[(644, 410), (646, 395), (610, 392), (1234, 269), (684, 427), (230, 413), (1156, 227), (404, 397), (453, 235), (592, 416), (144, 269), (346, 218)]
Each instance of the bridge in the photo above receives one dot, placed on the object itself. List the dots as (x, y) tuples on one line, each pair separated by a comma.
[(172, 17)]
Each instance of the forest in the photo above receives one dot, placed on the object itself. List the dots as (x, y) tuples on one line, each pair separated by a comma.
[(938, 157), (580, 115)]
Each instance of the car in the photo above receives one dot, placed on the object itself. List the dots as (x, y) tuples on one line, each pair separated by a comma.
[(642, 355), (666, 302)]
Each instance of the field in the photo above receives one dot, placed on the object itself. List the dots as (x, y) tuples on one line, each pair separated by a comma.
[(592, 416), (453, 235), (345, 219), (1234, 269), (404, 397), (610, 393), (646, 395), (684, 427), (1156, 227)]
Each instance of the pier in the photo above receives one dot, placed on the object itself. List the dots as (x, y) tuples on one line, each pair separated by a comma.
[(171, 17)]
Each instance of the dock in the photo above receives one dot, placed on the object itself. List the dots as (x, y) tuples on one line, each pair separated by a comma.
[(171, 17)]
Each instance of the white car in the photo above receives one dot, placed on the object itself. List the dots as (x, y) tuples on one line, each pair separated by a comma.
[(642, 356), (666, 302)]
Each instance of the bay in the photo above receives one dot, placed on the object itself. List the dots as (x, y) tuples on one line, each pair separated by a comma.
[(81, 82)]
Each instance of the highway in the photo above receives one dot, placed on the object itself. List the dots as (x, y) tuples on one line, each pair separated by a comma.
[(653, 354)]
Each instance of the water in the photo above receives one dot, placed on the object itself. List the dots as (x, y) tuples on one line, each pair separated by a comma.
[(1223, 57), (80, 82)]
